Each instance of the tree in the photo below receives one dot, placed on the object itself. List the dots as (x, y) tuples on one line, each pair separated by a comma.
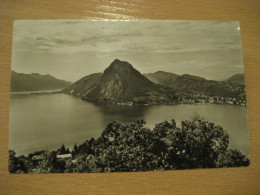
[(60, 166), (13, 161), (75, 150), (51, 161), (132, 147), (63, 149), (196, 116), (16, 164), (232, 158), (197, 144), (36, 153), (70, 167)]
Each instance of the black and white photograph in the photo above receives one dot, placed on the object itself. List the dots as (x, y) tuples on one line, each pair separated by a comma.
[(91, 96)]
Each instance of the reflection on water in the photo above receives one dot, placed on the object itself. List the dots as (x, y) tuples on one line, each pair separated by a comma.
[(45, 121), (123, 112)]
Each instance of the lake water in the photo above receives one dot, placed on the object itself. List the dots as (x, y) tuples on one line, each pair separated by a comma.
[(46, 121)]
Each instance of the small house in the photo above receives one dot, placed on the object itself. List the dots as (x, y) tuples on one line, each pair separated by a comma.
[(64, 156), (37, 159)]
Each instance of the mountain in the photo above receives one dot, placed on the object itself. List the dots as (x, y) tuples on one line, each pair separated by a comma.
[(120, 82), (187, 82), (172, 80), (207, 87), (161, 77), (83, 86), (35, 82), (237, 78), (190, 84)]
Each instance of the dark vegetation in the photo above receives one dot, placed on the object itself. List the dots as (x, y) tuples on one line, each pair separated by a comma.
[(133, 147)]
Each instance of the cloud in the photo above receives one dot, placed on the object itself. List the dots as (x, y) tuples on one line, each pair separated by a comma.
[(211, 49), (68, 37)]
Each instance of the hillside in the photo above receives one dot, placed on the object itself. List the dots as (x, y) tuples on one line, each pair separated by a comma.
[(120, 82), (35, 82), (83, 86), (237, 78), (161, 77), (207, 87), (194, 84)]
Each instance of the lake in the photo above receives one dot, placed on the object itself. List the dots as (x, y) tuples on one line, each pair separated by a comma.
[(46, 121)]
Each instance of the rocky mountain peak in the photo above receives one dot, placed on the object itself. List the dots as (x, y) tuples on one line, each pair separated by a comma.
[(119, 66), (120, 82)]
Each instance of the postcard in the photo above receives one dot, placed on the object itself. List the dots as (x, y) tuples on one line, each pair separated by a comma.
[(123, 96)]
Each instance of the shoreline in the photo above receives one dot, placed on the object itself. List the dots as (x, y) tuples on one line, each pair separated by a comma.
[(35, 92), (128, 103)]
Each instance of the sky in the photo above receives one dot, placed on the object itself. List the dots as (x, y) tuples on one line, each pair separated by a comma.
[(72, 49)]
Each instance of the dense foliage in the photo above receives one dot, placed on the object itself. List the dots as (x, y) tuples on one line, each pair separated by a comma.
[(133, 147)]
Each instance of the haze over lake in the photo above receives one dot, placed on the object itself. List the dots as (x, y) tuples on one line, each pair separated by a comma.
[(46, 121)]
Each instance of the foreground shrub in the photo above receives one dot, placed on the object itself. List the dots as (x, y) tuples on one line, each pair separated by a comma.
[(133, 147)]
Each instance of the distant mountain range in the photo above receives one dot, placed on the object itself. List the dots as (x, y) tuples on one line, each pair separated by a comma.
[(120, 82), (168, 78), (35, 82), (233, 86)]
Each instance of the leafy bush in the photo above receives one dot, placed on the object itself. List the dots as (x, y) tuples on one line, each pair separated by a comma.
[(133, 147)]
